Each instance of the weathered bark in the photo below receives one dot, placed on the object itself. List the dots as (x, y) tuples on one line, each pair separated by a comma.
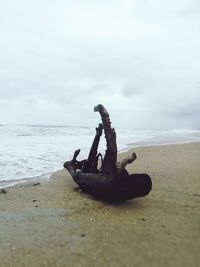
[(128, 160), (92, 160), (111, 182), (109, 165)]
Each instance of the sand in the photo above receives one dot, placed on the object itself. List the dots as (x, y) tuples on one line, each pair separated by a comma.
[(54, 224)]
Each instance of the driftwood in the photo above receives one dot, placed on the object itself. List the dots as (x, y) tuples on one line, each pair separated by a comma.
[(110, 181)]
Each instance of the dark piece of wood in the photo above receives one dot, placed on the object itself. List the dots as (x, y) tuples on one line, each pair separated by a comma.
[(109, 165), (111, 182), (92, 160)]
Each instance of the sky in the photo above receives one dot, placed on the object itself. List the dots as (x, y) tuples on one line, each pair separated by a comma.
[(139, 58)]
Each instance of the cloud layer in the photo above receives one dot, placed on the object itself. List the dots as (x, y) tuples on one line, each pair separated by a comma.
[(141, 59)]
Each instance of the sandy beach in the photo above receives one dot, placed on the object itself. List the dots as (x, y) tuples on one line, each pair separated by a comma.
[(52, 223)]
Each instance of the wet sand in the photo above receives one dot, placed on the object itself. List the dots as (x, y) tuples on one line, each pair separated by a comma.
[(52, 223)]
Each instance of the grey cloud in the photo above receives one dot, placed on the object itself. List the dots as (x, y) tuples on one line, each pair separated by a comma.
[(129, 89), (189, 109), (139, 84), (139, 57)]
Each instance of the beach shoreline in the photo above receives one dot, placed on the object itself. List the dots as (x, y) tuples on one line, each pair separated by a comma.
[(29, 151), (52, 223), (47, 176)]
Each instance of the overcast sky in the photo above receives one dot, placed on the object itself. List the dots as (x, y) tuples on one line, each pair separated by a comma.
[(140, 58)]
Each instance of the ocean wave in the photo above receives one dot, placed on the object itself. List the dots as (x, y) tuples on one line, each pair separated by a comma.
[(30, 151)]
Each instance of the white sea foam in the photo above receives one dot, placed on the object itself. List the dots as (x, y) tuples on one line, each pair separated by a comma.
[(31, 151)]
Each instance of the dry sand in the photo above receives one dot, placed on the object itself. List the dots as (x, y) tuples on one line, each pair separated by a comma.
[(54, 224)]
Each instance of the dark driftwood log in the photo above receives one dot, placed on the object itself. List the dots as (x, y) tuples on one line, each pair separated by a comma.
[(111, 182)]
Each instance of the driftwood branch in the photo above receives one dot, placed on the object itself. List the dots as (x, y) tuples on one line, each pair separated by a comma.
[(123, 163), (111, 182), (109, 164), (92, 160)]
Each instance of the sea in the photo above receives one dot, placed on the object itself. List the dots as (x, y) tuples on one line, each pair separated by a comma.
[(36, 151)]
